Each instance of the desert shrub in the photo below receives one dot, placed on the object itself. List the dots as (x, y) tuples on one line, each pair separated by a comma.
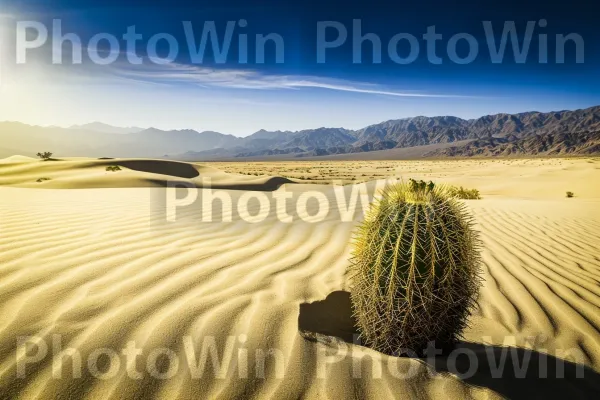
[(113, 168), (45, 156), (570, 194), (42, 180), (462, 193), (414, 270)]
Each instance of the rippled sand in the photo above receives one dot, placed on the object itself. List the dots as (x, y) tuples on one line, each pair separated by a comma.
[(102, 268)]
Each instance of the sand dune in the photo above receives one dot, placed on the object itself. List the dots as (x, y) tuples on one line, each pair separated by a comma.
[(102, 268), (79, 173)]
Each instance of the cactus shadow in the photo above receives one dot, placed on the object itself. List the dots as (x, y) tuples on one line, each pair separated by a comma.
[(512, 372), (329, 317)]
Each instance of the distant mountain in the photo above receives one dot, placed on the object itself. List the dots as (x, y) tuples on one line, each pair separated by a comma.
[(551, 144), (266, 143), (417, 131), (530, 133), (267, 135), (164, 142), (321, 138), (104, 128), (554, 133), (264, 140), (28, 140)]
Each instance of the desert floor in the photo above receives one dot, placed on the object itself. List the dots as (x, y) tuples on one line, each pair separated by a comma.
[(93, 262)]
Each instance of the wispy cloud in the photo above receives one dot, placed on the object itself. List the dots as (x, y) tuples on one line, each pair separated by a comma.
[(254, 80), (227, 78)]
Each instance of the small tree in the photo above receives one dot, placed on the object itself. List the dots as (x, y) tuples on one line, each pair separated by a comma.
[(45, 156), (570, 194)]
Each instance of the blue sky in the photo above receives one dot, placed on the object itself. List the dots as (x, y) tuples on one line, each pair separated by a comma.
[(298, 93)]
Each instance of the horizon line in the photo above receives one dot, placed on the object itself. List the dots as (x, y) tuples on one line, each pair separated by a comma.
[(79, 126)]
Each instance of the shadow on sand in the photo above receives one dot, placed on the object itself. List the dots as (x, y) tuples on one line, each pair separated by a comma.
[(177, 169), (162, 167), (563, 379)]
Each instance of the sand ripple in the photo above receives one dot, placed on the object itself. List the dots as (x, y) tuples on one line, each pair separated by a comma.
[(91, 266)]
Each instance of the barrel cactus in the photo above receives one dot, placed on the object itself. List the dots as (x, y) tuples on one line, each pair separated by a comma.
[(414, 270)]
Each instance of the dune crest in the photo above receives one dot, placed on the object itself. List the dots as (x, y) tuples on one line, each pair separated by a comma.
[(82, 173)]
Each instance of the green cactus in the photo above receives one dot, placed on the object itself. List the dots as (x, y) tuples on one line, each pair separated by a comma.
[(414, 269)]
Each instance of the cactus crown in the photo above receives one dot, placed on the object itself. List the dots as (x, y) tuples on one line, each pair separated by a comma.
[(414, 270)]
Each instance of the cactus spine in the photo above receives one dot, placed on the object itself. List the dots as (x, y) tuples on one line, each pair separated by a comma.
[(414, 269)]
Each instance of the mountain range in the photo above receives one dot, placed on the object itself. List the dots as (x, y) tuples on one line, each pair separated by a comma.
[(531, 133), (105, 128)]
